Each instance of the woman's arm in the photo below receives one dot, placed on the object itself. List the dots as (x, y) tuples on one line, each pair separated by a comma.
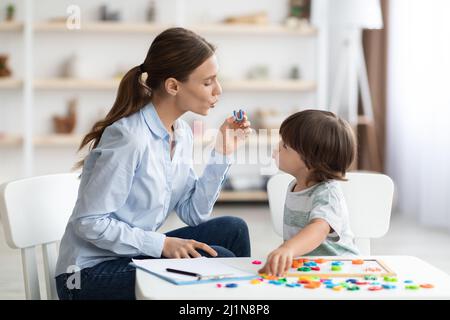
[(119, 237), (107, 179), (201, 194)]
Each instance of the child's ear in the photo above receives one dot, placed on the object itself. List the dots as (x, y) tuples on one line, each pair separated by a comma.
[(171, 85)]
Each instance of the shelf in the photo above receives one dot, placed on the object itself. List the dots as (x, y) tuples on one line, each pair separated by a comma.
[(112, 27), (58, 140), (237, 29), (270, 85), (9, 140), (76, 84), (74, 140), (244, 196), (218, 29), (11, 26), (10, 83), (230, 85)]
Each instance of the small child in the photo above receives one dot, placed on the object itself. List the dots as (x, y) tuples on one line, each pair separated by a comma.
[(317, 148)]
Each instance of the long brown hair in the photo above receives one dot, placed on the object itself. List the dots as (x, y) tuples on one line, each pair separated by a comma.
[(325, 143), (174, 53)]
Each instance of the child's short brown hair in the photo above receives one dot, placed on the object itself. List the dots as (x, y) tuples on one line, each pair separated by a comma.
[(325, 143)]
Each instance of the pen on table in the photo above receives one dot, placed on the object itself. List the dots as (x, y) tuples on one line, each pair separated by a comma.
[(187, 273)]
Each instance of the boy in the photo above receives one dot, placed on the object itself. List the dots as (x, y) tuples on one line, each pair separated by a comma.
[(317, 148)]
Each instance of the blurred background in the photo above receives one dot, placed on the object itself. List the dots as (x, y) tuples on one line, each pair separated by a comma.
[(382, 65)]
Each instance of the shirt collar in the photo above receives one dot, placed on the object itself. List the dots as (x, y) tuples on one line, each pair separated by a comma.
[(155, 124)]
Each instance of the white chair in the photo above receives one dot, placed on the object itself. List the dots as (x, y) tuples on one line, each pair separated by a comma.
[(35, 212), (368, 197)]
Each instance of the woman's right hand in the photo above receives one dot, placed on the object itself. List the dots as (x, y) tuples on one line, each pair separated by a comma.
[(183, 248)]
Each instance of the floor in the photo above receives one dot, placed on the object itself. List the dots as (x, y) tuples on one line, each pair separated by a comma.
[(404, 238)]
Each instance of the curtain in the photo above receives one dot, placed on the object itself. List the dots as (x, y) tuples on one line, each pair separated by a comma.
[(418, 109), (375, 53)]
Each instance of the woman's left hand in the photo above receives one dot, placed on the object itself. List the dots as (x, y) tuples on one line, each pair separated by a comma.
[(232, 134)]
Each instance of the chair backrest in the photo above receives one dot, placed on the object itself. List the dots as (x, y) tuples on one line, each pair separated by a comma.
[(35, 212), (368, 197)]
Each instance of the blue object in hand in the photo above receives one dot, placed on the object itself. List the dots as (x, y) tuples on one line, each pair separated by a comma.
[(238, 116)]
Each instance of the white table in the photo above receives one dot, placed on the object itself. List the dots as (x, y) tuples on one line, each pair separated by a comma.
[(406, 268)]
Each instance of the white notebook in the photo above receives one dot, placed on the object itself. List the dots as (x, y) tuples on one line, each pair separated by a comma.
[(208, 269)]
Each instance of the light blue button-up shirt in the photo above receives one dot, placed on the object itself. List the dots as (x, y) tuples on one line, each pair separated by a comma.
[(129, 185)]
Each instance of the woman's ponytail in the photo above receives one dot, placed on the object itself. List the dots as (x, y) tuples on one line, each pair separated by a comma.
[(132, 95)]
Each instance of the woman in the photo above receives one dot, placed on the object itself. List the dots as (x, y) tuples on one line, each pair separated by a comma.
[(140, 169)]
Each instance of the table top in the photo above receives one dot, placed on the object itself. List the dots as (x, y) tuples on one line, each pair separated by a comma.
[(406, 267)]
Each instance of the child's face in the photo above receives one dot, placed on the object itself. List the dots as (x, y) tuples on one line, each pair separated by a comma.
[(289, 161)]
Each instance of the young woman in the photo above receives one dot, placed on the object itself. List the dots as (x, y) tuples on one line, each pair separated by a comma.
[(139, 170)]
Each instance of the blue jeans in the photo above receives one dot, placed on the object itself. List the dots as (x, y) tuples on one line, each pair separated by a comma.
[(115, 279)]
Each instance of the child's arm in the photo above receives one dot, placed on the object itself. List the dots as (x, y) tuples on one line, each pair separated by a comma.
[(280, 260), (309, 237)]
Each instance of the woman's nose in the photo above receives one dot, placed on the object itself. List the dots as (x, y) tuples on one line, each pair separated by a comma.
[(218, 89)]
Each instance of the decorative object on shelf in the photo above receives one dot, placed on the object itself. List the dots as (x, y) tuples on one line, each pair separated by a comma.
[(299, 14), (260, 72), (256, 18), (66, 124), (300, 9), (294, 73), (268, 118), (296, 23), (10, 12), (151, 12), (107, 15), (5, 71), (74, 67)]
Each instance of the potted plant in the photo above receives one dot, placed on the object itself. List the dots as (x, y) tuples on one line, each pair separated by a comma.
[(10, 10)]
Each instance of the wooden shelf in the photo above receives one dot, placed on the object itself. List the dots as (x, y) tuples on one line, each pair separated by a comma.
[(76, 84), (11, 26), (269, 85), (229, 85), (58, 140), (74, 140), (10, 140), (10, 83), (237, 29), (244, 196), (112, 27), (218, 28)]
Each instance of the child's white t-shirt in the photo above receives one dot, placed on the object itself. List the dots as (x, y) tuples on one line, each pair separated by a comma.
[(326, 201)]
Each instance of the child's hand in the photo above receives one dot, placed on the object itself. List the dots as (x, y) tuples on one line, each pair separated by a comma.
[(278, 262), (231, 134)]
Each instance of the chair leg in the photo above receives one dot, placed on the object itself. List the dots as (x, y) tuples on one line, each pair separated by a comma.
[(30, 274), (49, 252)]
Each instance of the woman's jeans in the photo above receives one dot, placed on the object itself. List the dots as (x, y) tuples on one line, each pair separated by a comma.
[(115, 279)]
